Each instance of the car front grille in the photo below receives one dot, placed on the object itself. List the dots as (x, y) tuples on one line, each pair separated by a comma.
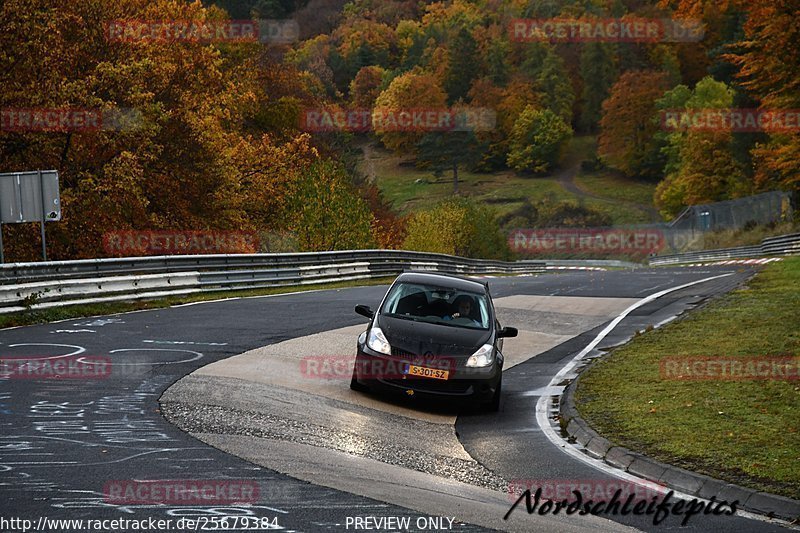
[(397, 352)]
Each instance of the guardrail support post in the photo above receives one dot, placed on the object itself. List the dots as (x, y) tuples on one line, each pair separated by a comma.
[(44, 215)]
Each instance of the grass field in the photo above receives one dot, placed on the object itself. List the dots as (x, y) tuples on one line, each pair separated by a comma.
[(610, 185), (745, 431), (410, 189)]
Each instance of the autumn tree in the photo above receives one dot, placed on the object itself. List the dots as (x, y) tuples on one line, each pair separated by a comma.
[(598, 73), (546, 68), (457, 226), (442, 151), (537, 140), (312, 59), (701, 166), (484, 94), (326, 211), (495, 50), (388, 227), (463, 65), (627, 127), (769, 60), (366, 86), (245, 9), (182, 144), (412, 90), (412, 39), (507, 103), (362, 43), (556, 87), (389, 12)]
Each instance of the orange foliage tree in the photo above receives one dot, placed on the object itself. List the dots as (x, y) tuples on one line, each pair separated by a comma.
[(366, 86), (769, 63), (412, 90), (627, 126), (185, 142)]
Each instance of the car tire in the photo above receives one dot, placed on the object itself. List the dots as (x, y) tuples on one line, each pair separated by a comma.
[(355, 385), (494, 404)]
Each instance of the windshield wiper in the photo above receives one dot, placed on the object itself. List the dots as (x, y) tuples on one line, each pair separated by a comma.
[(404, 317)]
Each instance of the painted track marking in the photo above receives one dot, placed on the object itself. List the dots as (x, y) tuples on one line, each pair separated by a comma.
[(542, 411)]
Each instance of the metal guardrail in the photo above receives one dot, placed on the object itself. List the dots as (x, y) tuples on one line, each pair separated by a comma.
[(785, 244), (39, 271), (57, 283), (782, 245)]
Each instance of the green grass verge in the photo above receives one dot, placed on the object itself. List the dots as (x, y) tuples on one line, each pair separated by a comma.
[(40, 316), (745, 432), (398, 181), (609, 185), (621, 214)]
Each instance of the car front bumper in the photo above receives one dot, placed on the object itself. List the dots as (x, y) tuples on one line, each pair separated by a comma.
[(384, 373)]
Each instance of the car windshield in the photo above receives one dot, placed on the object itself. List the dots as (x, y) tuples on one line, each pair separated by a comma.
[(438, 305)]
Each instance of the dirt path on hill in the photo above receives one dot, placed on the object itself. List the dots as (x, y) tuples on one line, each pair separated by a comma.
[(566, 178), (367, 165)]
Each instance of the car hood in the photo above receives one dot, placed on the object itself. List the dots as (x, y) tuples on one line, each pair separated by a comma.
[(419, 338)]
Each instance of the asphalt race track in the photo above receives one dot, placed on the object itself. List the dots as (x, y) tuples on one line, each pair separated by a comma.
[(240, 403)]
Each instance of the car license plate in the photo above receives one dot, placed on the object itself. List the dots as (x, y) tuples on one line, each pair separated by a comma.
[(424, 372)]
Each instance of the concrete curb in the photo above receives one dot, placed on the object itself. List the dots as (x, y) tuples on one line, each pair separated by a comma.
[(671, 476)]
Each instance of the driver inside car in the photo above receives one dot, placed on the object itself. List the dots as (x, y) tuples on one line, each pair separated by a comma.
[(463, 304)]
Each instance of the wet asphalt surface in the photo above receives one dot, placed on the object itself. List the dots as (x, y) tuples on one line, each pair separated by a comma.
[(63, 441)]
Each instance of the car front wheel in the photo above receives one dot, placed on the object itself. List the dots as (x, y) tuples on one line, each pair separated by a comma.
[(355, 385), (494, 404)]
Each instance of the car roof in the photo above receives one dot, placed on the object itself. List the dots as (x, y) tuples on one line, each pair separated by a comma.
[(444, 280)]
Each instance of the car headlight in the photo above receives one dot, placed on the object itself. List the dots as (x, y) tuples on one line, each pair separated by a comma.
[(376, 340), (483, 357)]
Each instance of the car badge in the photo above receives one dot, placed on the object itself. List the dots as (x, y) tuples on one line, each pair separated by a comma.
[(410, 392)]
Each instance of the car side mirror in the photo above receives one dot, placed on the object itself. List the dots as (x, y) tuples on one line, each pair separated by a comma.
[(365, 310), (507, 332)]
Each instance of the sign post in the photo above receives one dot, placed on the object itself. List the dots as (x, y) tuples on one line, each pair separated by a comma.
[(44, 211), (29, 197)]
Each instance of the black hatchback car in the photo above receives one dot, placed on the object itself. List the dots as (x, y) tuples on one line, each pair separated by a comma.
[(433, 334)]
